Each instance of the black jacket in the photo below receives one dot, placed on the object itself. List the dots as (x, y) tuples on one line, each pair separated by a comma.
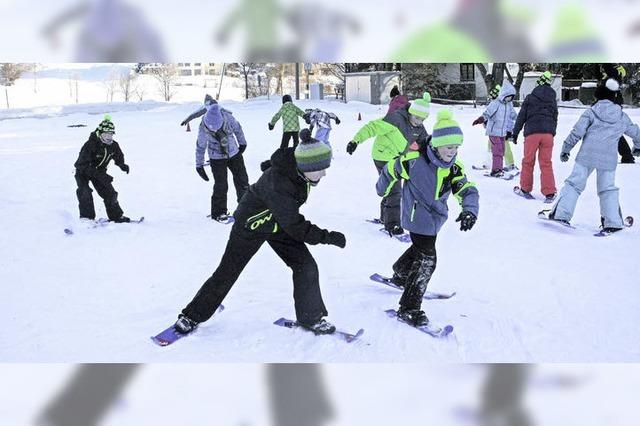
[(400, 119), (539, 112), (271, 206), (95, 156)]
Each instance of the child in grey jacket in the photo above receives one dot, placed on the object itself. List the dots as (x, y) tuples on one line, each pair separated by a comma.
[(600, 127), (500, 117), (430, 175)]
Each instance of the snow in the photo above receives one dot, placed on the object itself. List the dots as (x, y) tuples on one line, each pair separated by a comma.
[(525, 292)]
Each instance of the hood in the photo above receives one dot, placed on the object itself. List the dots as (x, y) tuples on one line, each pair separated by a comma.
[(607, 111), (284, 162), (507, 89), (544, 93), (432, 157)]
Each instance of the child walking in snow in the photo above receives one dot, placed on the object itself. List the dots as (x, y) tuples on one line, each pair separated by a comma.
[(290, 124), (269, 212), (539, 116), (499, 117), (91, 167), (600, 127), (509, 164), (430, 176), (321, 120)]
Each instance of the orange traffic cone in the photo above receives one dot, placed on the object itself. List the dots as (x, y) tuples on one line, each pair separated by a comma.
[(188, 127), (359, 117)]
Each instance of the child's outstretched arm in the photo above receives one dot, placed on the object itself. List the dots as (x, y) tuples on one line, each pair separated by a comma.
[(578, 131)]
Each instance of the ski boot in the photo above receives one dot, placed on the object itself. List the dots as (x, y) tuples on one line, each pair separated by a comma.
[(185, 325), (122, 219), (415, 317), (321, 326), (498, 173)]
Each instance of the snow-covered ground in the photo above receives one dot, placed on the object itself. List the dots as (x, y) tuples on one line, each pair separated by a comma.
[(525, 292), (371, 394)]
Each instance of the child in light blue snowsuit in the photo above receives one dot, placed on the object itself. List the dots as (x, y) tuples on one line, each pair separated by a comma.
[(600, 127)]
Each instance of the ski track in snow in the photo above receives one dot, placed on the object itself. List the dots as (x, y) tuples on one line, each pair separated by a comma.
[(525, 292)]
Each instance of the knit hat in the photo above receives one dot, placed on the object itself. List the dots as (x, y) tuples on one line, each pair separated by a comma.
[(394, 92), (446, 131), (213, 117), (311, 154), (286, 98), (545, 78), (420, 107), (106, 125), (208, 99), (493, 93)]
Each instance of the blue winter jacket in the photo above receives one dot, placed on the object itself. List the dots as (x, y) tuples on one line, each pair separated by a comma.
[(500, 115), (222, 143), (428, 183), (539, 112)]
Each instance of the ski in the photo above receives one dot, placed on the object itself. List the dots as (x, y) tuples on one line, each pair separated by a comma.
[(505, 176), (375, 220), (483, 167), (100, 223), (228, 221), (628, 223), (544, 215), (171, 335), (347, 337), (405, 238), (526, 195), (429, 295), (431, 330)]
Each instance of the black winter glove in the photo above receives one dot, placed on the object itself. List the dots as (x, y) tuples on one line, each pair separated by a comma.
[(515, 139), (351, 147), (467, 220), (564, 157), (242, 148), (184, 122), (271, 126), (265, 165), (509, 136), (636, 152), (202, 173), (336, 239), (125, 168), (337, 120)]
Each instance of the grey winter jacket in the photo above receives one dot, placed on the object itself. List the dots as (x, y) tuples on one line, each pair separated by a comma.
[(428, 183), (539, 112), (221, 144), (500, 115), (400, 119), (600, 128)]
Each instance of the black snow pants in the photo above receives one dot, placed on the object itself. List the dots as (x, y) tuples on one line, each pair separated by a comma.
[(285, 139), (390, 205), (102, 183), (241, 247), (415, 267), (220, 184)]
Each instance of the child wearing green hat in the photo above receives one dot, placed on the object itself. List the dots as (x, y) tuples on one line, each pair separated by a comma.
[(395, 134), (509, 164), (431, 175), (91, 167), (270, 212)]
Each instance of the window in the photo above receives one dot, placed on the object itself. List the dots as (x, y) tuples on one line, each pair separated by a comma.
[(185, 72), (467, 72), (197, 72)]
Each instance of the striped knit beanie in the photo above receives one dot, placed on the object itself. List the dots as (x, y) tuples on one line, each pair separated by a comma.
[(106, 125), (495, 91), (420, 107), (446, 131), (311, 154), (545, 78)]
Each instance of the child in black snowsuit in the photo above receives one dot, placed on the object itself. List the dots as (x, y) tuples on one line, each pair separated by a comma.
[(91, 166), (269, 212)]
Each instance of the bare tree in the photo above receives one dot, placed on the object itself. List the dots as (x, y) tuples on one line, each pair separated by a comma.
[(9, 73), (139, 91), (126, 83), (110, 84), (246, 68), (166, 75)]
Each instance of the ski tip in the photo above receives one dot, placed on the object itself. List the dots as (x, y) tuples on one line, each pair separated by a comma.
[(68, 231), (447, 330), (628, 221), (159, 342), (355, 336)]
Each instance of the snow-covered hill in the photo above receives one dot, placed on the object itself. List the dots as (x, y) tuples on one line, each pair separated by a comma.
[(525, 292)]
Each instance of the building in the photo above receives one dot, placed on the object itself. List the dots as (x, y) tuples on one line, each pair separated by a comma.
[(370, 87)]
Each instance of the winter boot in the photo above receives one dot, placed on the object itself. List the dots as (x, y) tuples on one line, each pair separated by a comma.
[(122, 219), (321, 326), (496, 173), (415, 317), (549, 198), (394, 230), (222, 217), (185, 325), (510, 167)]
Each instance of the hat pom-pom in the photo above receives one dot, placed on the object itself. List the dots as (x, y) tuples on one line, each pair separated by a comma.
[(444, 114), (107, 117), (426, 96)]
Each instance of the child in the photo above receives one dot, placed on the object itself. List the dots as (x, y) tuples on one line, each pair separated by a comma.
[(91, 166), (222, 137), (398, 101), (290, 125), (395, 134), (208, 101), (539, 116), (321, 120), (499, 117), (430, 176), (600, 128), (269, 212), (508, 153)]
